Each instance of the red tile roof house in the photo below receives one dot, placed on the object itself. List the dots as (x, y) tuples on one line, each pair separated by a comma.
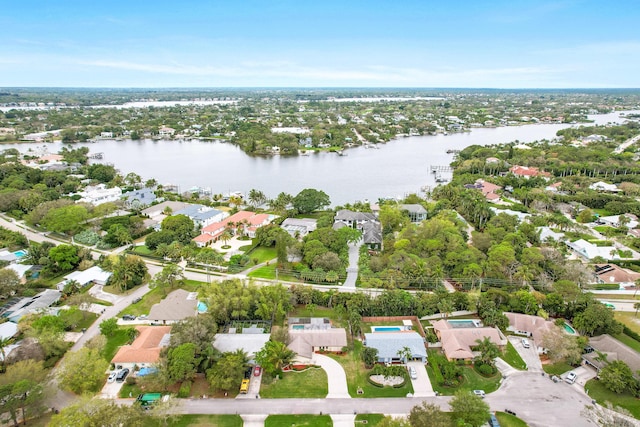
[(528, 172), (145, 350), (457, 342), (250, 223)]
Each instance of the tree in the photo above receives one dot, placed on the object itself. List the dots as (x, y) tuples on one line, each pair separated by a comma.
[(256, 197), (181, 226), (429, 415), (155, 239), (469, 408), (22, 391), (171, 276), (64, 257), (226, 374), (83, 371), (309, 200), (585, 216), (561, 347), (199, 330), (67, 219), (109, 326), (488, 351), (618, 377), (274, 302), (273, 356), (637, 307), (182, 362), (99, 412), (597, 319), (9, 283), (128, 271), (369, 356), (101, 172)]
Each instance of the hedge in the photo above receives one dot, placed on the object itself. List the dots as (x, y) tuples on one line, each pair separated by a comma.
[(631, 333)]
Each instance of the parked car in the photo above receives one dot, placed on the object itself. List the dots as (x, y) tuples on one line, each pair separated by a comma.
[(122, 375), (525, 343), (136, 300), (112, 377), (493, 421), (479, 393), (413, 373), (257, 371), (571, 377), (128, 317)]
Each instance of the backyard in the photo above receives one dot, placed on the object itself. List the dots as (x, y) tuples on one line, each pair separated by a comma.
[(357, 376), (314, 380)]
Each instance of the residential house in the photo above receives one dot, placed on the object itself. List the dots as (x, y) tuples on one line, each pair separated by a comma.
[(242, 222), (546, 234), (94, 275), (520, 215), (177, 306), (629, 220), (612, 349), (8, 330), (530, 326), (160, 211), (366, 222), (391, 345), (166, 132), (29, 305), (21, 270), (313, 334), (299, 227), (528, 172), (589, 251), (138, 199), (251, 341), (202, 215), (488, 189), (553, 188), (417, 213), (611, 273), (458, 338), (145, 350), (605, 187), (7, 256), (99, 194)]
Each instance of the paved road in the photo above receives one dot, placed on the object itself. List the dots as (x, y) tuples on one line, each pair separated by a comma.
[(352, 270)]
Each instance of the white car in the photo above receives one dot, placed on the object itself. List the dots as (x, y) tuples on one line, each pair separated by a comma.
[(479, 393), (413, 373), (571, 378), (525, 343), (112, 377)]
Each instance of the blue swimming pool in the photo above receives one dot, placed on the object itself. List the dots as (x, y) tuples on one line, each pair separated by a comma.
[(297, 327), (386, 328), (20, 253), (202, 307), (569, 329), (463, 323)]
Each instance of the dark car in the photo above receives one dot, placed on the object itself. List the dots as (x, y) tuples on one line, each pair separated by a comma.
[(122, 375), (128, 317), (493, 421)]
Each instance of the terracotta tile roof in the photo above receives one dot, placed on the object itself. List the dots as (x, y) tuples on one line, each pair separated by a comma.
[(204, 238), (527, 171), (535, 325), (178, 305), (146, 348)]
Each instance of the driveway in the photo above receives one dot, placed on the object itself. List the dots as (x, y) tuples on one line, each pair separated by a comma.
[(335, 374), (529, 355), (421, 385), (352, 270), (584, 373), (111, 390)]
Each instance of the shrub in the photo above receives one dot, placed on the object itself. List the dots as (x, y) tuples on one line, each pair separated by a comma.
[(484, 369), (130, 380), (185, 389), (87, 237)]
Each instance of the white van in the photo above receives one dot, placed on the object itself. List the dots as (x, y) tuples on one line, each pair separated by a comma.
[(525, 343), (413, 373)]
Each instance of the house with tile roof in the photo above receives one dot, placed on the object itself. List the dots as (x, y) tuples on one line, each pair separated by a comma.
[(145, 349), (243, 222), (611, 273), (391, 344), (309, 335), (458, 342), (487, 189), (177, 306), (530, 326), (528, 172)]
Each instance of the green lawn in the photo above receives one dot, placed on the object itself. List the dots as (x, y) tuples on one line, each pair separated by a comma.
[(197, 421), (142, 250), (471, 379), (629, 319), (314, 381), (303, 311), (508, 420), (512, 357), (269, 272), (357, 376), (597, 391), (263, 254), (119, 337), (626, 339), (130, 390), (558, 368), (372, 419), (154, 296), (298, 421)]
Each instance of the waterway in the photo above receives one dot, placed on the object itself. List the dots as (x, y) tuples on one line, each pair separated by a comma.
[(395, 169)]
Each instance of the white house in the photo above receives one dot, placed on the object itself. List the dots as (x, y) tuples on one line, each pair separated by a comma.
[(603, 186), (589, 251), (99, 194), (91, 275), (614, 220)]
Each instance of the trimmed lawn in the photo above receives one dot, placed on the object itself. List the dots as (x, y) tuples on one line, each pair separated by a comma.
[(471, 379), (263, 254), (303, 311), (119, 337), (372, 419), (314, 380), (197, 421), (130, 390), (269, 272), (558, 368), (597, 391), (142, 250), (357, 376), (298, 421), (626, 339), (512, 357), (629, 319), (154, 296), (508, 420)]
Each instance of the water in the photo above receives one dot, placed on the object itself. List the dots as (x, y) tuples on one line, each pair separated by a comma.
[(396, 169), (386, 329), (463, 323), (21, 253), (569, 328)]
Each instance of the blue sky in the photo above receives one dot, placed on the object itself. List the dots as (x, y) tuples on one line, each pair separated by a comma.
[(352, 43)]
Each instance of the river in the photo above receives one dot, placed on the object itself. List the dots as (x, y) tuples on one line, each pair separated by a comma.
[(395, 169)]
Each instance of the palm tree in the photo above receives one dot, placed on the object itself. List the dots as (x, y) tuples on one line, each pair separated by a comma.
[(274, 356), (637, 307), (226, 236), (488, 351)]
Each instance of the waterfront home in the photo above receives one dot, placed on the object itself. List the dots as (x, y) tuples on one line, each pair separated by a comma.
[(459, 338), (202, 215), (299, 227), (391, 345), (177, 306), (366, 222), (164, 208), (99, 194), (145, 350), (417, 213), (139, 199), (487, 189), (528, 172), (166, 132)]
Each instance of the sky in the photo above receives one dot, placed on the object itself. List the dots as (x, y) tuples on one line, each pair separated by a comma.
[(320, 43)]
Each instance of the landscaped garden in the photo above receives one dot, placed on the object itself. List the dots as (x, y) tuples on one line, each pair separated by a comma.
[(289, 385), (596, 390), (511, 356), (298, 421), (358, 376), (448, 377)]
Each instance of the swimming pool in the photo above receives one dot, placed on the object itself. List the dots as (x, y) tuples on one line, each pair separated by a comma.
[(297, 327), (202, 307), (386, 328), (569, 329), (463, 323), (20, 253)]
